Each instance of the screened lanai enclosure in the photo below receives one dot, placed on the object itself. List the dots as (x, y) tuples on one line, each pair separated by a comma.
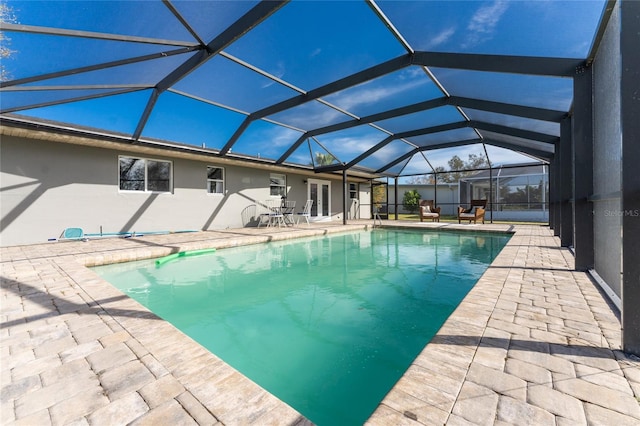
[(516, 193), (313, 92)]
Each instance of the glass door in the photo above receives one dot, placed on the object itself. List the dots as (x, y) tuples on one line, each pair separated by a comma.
[(320, 192), (354, 203), (379, 199)]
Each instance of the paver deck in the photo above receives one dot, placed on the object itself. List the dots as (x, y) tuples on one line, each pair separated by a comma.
[(534, 342)]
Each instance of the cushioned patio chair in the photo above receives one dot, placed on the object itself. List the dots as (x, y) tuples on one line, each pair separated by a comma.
[(474, 213), (428, 210)]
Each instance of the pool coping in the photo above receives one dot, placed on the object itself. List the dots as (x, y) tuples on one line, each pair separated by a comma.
[(167, 358)]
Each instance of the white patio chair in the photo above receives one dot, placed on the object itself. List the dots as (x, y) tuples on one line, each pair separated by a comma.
[(275, 212), (306, 212), (263, 213)]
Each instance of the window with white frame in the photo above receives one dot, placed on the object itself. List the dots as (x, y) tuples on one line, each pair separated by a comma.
[(278, 184), (144, 175), (353, 190), (215, 180)]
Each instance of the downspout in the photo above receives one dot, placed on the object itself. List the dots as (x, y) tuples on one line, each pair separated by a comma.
[(498, 197), (544, 190), (371, 199), (491, 192), (344, 196), (435, 190), (395, 190)]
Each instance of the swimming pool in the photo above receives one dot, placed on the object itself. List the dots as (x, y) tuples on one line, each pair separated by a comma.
[(328, 324)]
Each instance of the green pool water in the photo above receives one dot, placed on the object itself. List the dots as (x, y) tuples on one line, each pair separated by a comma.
[(328, 324)]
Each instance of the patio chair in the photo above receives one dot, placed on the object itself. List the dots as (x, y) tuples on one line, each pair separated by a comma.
[(274, 212), (306, 211), (428, 210), (288, 208), (474, 213), (271, 213), (263, 213)]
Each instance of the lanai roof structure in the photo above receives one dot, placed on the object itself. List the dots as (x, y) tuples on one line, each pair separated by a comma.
[(388, 88)]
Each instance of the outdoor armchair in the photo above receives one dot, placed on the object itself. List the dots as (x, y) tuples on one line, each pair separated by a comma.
[(428, 210), (474, 213)]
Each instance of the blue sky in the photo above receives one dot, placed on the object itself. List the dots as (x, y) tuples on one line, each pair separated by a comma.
[(530, 28), (302, 46)]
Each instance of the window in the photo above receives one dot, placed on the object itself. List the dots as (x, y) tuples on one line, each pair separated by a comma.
[(215, 180), (278, 185), (353, 190), (141, 174)]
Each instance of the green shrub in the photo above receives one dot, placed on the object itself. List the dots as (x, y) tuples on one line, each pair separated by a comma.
[(411, 201)]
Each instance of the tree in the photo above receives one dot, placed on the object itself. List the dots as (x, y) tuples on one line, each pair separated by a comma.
[(458, 169), (420, 180), (324, 159), (522, 197), (411, 200), (6, 17)]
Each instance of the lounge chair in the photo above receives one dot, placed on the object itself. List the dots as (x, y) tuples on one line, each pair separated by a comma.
[(474, 213), (429, 211), (72, 234), (306, 212)]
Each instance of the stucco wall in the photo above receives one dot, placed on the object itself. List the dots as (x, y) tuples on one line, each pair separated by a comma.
[(48, 186)]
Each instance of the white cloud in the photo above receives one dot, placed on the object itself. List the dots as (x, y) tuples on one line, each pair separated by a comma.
[(487, 17), (315, 52), (283, 137), (349, 146), (441, 38), (365, 94), (310, 115), (501, 156), (483, 23), (278, 72), (389, 152), (412, 73), (277, 138)]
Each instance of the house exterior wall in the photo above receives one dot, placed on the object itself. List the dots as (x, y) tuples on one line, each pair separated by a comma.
[(48, 186)]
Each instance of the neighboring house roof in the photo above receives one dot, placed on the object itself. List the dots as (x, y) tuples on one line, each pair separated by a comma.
[(509, 171)]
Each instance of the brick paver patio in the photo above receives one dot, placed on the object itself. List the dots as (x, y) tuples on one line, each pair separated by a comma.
[(534, 342)]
